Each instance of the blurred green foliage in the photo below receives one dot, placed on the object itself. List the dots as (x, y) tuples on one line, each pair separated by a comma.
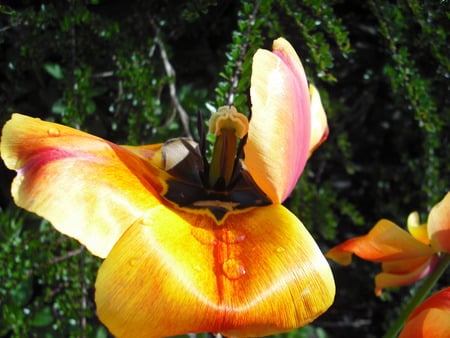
[(122, 70)]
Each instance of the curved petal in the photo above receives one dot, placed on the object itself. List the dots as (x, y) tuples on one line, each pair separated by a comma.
[(430, 319), (319, 124), (439, 225), (384, 242), (88, 188), (404, 272), (417, 230), (279, 131), (171, 273)]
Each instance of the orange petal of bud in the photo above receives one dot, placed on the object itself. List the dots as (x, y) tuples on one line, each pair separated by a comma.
[(431, 318)]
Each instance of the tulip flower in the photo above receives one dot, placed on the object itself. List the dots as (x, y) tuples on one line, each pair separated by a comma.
[(406, 256), (190, 245), (430, 319)]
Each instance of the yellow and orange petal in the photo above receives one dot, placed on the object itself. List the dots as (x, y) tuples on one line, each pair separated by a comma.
[(279, 131), (319, 124), (431, 318), (88, 188), (385, 242), (439, 225), (173, 272), (417, 230), (404, 272)]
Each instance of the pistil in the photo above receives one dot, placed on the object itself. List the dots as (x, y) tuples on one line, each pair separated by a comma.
[(229, 126)]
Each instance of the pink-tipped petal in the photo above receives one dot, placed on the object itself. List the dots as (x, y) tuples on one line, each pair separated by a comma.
[(88, 188), (279, 133)]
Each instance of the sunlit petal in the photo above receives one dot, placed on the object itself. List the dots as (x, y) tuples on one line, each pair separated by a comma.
[(88, 188), (417, 230), (279, 133), (319, 124), (172, 273), (384, 242), (431, 318), (439, 225), (404, 272)]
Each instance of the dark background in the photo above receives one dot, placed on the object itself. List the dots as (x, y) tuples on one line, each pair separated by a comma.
[(383, 71)]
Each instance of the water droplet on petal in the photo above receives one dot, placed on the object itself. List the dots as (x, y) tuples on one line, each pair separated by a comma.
[(231, 236), (133, 261), (54, 132), (280, 249), (204, 236), (233, 268)]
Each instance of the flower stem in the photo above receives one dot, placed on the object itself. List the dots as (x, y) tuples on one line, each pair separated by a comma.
[(419, 296)]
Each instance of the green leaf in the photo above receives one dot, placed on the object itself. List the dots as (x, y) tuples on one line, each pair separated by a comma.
[(54, 70), (101, 333), (42, 318), (59, 107), (23, 292)]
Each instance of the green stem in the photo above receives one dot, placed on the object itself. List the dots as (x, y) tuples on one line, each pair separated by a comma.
[(419, 296)]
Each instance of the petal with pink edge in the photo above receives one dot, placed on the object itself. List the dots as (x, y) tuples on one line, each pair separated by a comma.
[(279, 132), (88, 188)]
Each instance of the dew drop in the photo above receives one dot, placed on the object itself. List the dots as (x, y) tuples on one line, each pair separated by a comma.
[(280, 249), (231, 236), (133, 261), (54, 132), (204, 236), (233, 268)]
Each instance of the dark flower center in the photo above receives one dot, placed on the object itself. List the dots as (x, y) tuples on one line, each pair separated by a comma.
[(224, 184)]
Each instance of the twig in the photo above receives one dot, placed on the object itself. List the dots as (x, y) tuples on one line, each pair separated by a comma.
[(103, 74), (172, 89), (4, 29), (67, 255)]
